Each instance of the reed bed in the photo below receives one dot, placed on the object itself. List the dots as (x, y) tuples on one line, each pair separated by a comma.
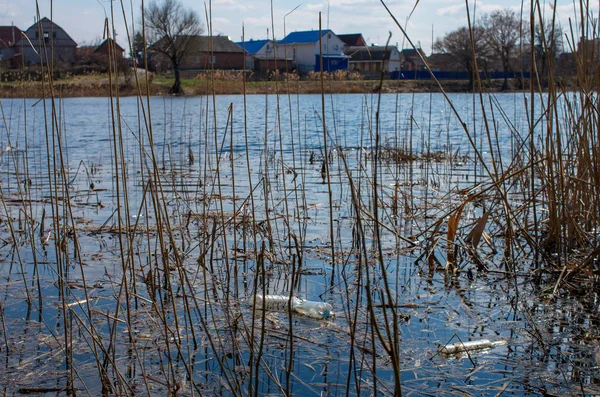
[(134, 270)]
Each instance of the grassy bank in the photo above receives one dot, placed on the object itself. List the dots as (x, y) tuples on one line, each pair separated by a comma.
[(99, 85)]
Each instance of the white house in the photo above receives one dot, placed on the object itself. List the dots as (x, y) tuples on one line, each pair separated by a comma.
[(303, 48)]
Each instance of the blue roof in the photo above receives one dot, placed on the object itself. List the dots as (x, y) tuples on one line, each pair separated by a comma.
[(252, 46), (305, 37)]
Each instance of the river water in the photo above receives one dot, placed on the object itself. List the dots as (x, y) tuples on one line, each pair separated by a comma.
[(242, 186)]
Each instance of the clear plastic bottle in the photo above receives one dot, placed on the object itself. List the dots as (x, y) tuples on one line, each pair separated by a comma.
[(273, 302), (470, 346), (316, 310)]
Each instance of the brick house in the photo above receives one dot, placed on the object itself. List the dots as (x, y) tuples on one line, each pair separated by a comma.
[(588, 54), (443, 62), (95, 58), (105, 46), (8, 37), (411, 61), (353, 40), (203, 53), (99, 52), (46, 37)]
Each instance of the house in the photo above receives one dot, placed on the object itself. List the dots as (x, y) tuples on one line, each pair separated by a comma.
[(411, 61), (202, 53), (371, 61), (95, 57), (443, 62), (46, 39), (8, 37), (442, 65), (307, 55), (588, 55), (353, 40), (99, 52), (107, 45), (264, 55)]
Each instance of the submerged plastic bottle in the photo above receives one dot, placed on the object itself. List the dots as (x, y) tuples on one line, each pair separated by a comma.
[(316, 310)]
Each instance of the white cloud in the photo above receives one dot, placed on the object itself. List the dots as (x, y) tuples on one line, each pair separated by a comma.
[(220, 20), (315, 7), (8, 12), (459, 8), (231, 4), (342, 3), (451, 10), (256, 27)]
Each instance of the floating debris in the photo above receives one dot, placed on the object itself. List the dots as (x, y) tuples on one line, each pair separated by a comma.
[(470, 346), (312, 309)]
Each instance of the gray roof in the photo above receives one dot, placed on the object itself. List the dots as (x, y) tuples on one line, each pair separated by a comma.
[(219, 44), (371, 53), (63, 40)]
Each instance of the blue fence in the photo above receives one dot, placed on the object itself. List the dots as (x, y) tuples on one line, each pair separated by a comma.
[(424, 75), (331, 64)]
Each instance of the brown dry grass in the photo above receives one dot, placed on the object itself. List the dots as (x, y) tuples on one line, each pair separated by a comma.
[(98, 86)]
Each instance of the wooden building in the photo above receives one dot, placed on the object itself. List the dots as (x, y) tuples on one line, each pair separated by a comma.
[(48, 42)]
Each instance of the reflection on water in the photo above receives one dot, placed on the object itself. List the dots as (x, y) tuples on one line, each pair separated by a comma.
[(242, 188)]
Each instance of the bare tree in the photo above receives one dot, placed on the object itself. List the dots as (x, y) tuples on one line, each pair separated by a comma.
[(504, 33), (463, 50), (170, 28)]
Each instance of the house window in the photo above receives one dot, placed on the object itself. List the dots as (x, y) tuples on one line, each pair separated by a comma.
[(329, 36), (46, 37), (212, 59), (197, 59)]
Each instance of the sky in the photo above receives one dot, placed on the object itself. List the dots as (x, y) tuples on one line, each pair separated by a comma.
[(84, 20)]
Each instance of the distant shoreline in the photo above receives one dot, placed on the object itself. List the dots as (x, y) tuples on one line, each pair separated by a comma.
[(98, 86)]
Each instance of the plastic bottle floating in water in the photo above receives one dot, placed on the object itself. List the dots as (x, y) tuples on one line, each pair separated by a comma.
[(470, 346), (316, 310)]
